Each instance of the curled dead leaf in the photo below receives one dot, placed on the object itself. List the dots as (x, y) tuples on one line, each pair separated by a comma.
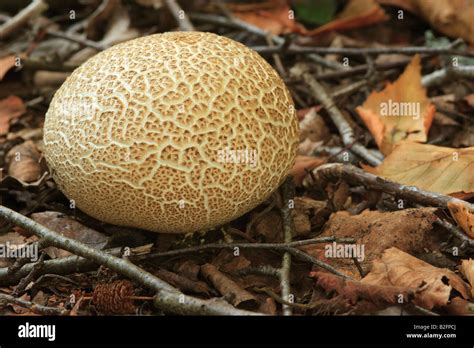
[(11, 108), (402, 111), (463, 217), (431, 168), (24, 162), (433, 286)]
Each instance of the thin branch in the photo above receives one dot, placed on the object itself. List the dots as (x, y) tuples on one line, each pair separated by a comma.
[(61, 266), (18, 21), (301, 71), (281, 247), (167, 297), (335, 171), (181, 17), (35, 308), (291, 248), (77, 39), (236, 23), (349, 51), (19, 289), (287, 195), (441, 76)]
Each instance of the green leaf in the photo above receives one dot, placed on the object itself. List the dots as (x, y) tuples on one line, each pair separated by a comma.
[(315, 12)]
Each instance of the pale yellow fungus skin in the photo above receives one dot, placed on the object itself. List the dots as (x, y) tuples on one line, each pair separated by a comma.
[(144, 133)]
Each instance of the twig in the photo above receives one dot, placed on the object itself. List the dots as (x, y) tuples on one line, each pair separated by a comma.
[(281, 247), (35, 308), (20, 262), (37, 64), (361, 69), (327, 63), (456, 232), (301, 71), (335, 171), (167, 297), (349, 89), (440, 76), (66, 265), (276, 58), (18, 21), (236, 23), (349, 51), (180, 16), (285, 303), (265, 270), (77, 39), (26, 280), (287, 194)]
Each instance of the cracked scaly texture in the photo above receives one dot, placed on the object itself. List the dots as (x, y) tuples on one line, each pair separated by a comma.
[(133, 135)]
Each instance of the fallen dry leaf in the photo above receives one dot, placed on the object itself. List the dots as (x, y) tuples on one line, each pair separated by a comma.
[(409, 230), (356, 14), (463, 217), (433, 286), (69, 228), (431, 168), (469, 99), (450, 17), (401, 111), (458, 306), (467, 268), (24, 162), (274, 18), (6, 63), (313, 127), (365, 298), (10, 108), (304, 164)]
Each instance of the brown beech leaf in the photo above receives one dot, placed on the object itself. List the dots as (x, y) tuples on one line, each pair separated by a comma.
[(463, 217), (24, 162), (401, 111), (467, 268), (433, 286), (409, 230), (451, 17), (356, 14), (431, 168), (313, 127), (364, 297), (304, 164), (10, 108), (273, 18), (6, 63)]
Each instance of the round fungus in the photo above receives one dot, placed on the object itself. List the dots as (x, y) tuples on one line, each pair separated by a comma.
[(172, 133)]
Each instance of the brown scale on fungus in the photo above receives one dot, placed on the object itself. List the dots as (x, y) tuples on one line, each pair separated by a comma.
[(152, 133)]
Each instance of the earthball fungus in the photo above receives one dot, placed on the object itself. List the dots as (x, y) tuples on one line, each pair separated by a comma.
[(172, 133)]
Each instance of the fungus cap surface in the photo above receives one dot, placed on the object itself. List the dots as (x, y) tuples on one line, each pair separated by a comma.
[(172, 133)]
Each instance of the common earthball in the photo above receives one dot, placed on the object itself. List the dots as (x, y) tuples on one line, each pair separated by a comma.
[(172, 133)]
